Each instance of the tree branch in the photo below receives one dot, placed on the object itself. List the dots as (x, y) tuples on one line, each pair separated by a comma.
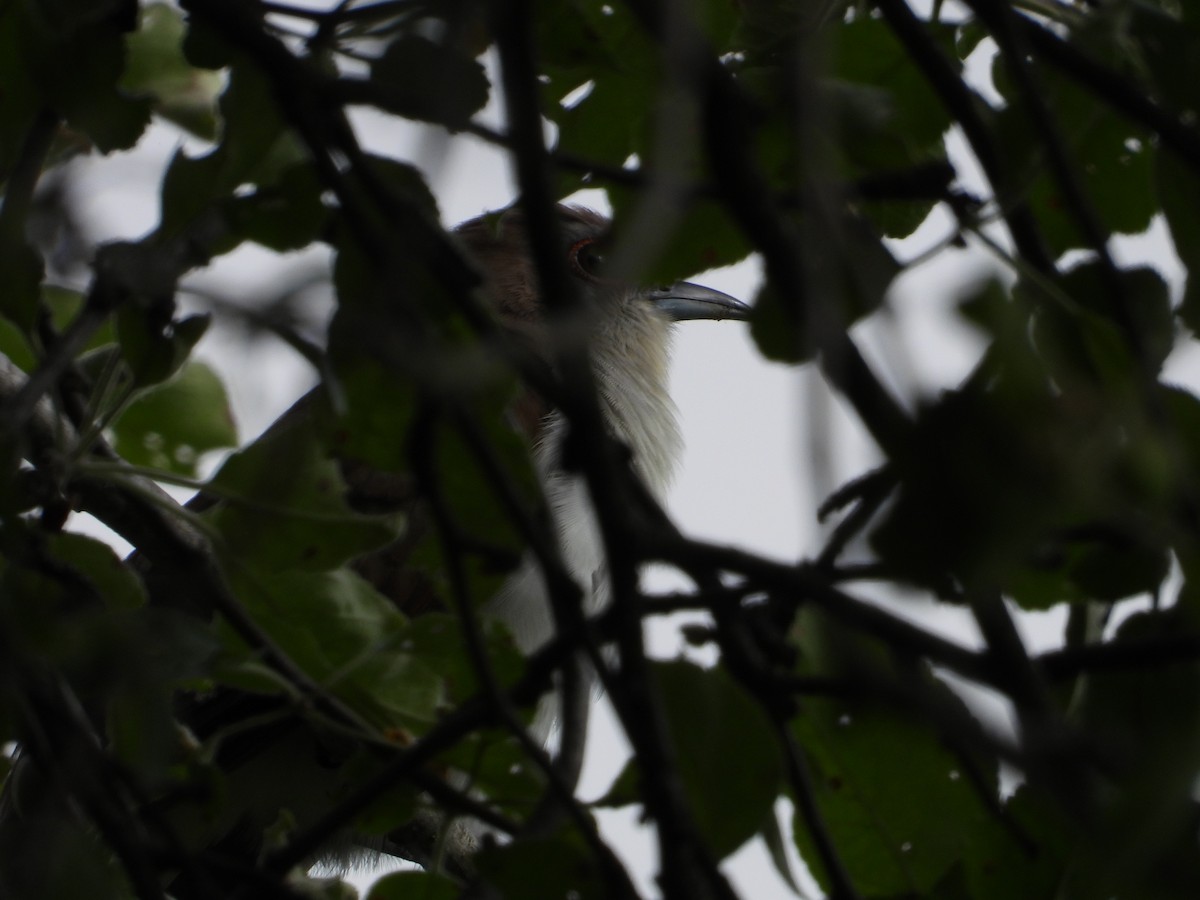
[(963, 106), (1114, 89), (687, 869)]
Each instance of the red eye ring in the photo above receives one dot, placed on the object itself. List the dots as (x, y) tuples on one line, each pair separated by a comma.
[(583, 262)]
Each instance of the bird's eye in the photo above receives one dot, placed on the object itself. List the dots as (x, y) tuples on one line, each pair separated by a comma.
[(586, 258)]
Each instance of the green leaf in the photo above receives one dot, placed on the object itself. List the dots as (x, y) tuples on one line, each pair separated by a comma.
[(704, 238), (1107, 566), (256, 148), (406, 183), (63, 305), (155, 350), (254, 140), (1136, 305), (776, 845), (392, 809), (376, 419), (1182, 409), (437, 639), (897, 803), (81, 612), (500, 768), (897, 218), (608, 124), (414, 886), (1179, 195), (378, 428), (1156, 43), (285, 506), (86, 92), (20, 101), (849, 276), (767, 30), (1045, 477), (1027, 854), (15, 347), (542, 869), (598, 55), (589, 36), (968, 36), (141, 729), (21, 272), (1119, 569), (67, 860), (71, 16), (171, 425), (182, 94), (718, 21), (345, 636), (1109, 158), (886, 112), (979, 491), (1147, 718), (419, 79), (711, 721), (775, 329), (104, 571), (286, 215), (205, 48), (380, 294), (1153, 712), (474, 506)]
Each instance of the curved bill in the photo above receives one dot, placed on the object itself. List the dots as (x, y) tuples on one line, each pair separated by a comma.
[(684, 301)]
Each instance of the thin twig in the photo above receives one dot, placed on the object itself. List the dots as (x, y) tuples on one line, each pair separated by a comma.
[(1115, 89), (23, 177), (64, 745), (871, 490), (807, 584), (177, 548), (1003, 23), (687, 868), (565, 605), (449, 731), (802, 789), (961, 103), (743, 188), (615, 876), (1071, 662)]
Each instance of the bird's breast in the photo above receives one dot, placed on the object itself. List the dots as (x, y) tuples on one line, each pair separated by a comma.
[(523, 603), (640, 415)]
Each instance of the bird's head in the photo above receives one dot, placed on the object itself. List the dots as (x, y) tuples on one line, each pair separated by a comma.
[(498, 242), (627, 325)]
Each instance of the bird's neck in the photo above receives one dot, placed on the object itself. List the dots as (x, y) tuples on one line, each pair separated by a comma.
[(639, 411)]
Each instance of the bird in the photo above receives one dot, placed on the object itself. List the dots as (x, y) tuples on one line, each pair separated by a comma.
[(629, 328)]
